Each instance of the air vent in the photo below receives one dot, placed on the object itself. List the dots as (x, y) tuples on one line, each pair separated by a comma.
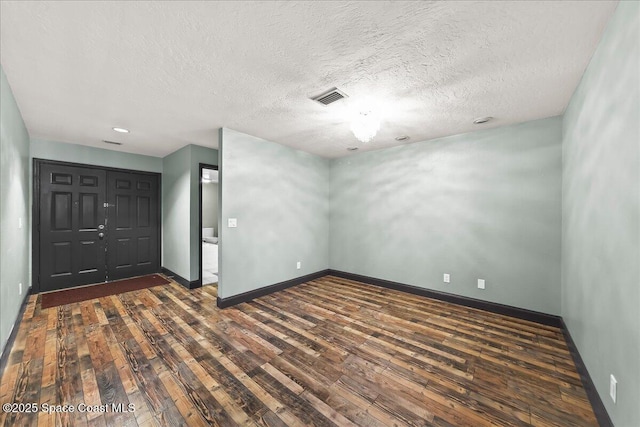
[(111, 142), (330, 96)]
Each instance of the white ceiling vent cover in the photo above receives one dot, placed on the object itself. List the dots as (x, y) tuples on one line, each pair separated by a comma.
[(330, 96)]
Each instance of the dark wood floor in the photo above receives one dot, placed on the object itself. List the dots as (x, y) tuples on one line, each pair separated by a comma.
[(328, 352)]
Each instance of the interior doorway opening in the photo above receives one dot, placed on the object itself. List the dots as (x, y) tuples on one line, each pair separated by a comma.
[(209, 211)]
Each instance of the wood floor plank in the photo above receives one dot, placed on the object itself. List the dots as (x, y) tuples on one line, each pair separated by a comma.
[(329, 352)]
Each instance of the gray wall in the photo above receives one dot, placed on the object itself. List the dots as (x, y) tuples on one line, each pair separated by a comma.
[(480, 205), (210, 205), (63, 152), (181, 235), (601, 215), (14, 205), (176, 219), (280, 199)]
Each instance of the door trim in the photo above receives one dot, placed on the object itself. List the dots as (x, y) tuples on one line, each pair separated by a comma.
[(200, 168), (35, 210)]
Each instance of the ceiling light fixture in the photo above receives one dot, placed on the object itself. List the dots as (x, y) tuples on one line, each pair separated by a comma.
[(481, 120), (402, 138), (121, 130), (365, 126)]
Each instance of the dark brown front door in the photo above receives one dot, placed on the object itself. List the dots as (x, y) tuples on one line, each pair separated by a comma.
[(72, 252), (94, 225), (133, 224)]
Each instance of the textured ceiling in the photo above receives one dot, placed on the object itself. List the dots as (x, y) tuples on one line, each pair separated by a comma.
[(174, 72)]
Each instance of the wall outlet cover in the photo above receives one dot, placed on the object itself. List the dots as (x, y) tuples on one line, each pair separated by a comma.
[(232, 222), (298, 265), (480, 283), (447, 278), (20, 288)]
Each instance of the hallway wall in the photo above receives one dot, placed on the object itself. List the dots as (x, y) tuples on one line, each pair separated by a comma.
[(15, 222)]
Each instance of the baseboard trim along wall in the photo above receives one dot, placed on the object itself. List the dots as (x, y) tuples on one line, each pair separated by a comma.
[(248, 296), (507, 310), (184, 282), (4, 358), (589, 387)]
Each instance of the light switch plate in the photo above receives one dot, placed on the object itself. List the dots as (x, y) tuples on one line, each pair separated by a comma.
[(613, 385), (480, 283), (233, 222)]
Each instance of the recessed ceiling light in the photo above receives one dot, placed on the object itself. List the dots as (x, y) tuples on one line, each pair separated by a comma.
[(402, 138), (352, 148), (121, 130), (481, 120)]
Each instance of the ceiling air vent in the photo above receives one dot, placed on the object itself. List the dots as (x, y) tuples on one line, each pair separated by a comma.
[(330, 96), (111, 142)]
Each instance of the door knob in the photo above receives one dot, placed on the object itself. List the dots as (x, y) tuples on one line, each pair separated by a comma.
[(101, 227), (101, 235)]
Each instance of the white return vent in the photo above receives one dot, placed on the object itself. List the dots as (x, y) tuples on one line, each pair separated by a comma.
[(330, 96)]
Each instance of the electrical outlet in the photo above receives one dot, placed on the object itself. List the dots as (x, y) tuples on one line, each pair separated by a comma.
[(19, 288), (447, 278), (613, 385), (298, 265), (19, 222), (480, 283)]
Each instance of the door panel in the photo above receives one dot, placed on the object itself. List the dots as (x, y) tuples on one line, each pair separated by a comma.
[(71, 210), (88, 255), (133, 224), (144, 250), (89, 211)]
